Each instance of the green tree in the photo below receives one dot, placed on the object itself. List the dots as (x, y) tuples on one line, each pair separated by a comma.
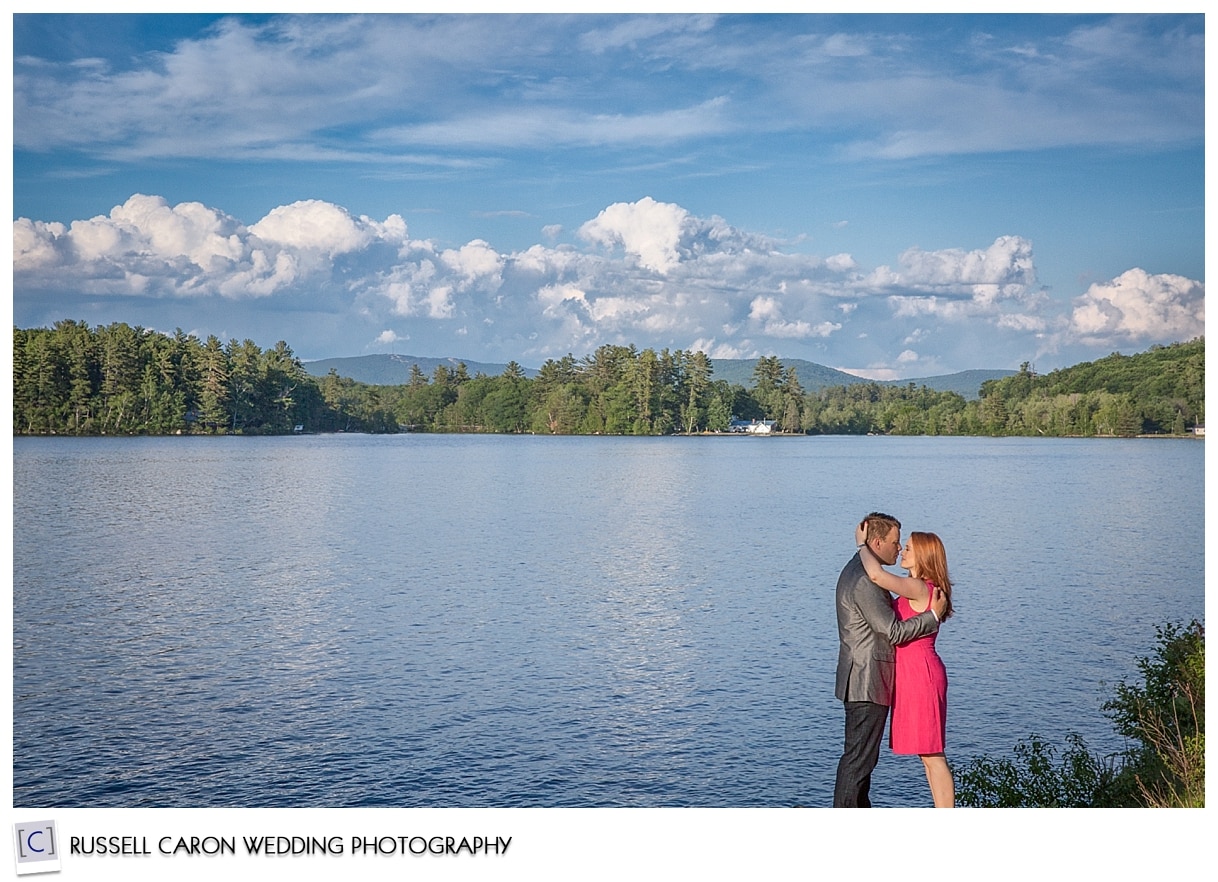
[(561, 412), (286, 388), (246, 382), (121, 372), (213, 386), (78, 346), (643, 376), (792, 396), (994, 414), (506, 405), (767, 387), (697, 381), (605, 378), (40, 386)]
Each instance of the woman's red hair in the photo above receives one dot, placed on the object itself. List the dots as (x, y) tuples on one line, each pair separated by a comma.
[(931, 560)]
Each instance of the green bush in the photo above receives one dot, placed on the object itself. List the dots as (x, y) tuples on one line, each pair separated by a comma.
[(1033, 779), (1164, 718)]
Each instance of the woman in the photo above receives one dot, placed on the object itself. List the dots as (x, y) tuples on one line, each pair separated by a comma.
[(919, 706)]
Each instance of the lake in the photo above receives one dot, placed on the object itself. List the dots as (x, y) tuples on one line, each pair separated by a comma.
[(495, 621)]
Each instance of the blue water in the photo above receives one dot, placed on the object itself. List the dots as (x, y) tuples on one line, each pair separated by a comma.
[(422, 620)]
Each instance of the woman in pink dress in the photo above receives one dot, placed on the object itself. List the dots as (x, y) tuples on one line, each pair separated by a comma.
[(919, 705)]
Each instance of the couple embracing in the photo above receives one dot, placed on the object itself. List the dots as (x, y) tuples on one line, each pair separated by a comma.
[(887, 657)]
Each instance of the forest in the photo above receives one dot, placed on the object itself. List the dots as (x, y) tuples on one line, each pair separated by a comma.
[(116, 379)]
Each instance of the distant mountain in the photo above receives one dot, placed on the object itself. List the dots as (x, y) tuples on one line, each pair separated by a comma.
[(813, 376), (394, 370), (966, 383)]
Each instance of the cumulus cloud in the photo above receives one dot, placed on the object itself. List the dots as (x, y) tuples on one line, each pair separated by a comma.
[(647, 230), (649, 273), (659, 235), (930, 280), (767, 314), (840, 263), (313, 225), (34, 244), (474, 262), (147, 246), (1140, 307), (997, 284)]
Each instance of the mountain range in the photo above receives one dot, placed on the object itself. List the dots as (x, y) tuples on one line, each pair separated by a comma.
[(394, 370)]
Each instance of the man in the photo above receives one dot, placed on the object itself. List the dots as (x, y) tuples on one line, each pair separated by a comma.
[(868, 628)]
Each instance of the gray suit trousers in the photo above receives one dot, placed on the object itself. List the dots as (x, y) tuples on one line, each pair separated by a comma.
[(864, 733)]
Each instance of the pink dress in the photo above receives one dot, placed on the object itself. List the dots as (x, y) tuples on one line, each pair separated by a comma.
[(919, 705)]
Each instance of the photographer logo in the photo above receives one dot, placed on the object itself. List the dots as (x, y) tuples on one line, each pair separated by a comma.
[(36, 847)]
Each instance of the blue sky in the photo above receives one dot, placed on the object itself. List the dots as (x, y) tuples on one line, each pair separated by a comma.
[(897, 196)]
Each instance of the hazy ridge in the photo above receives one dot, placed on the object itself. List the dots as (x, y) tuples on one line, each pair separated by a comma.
[(394, 370)]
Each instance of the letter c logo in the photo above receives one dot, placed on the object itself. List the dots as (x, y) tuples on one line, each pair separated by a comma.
[(29, 842)]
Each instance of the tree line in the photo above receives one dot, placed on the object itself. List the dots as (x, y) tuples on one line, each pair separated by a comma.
[(119, 379), (122, 380)]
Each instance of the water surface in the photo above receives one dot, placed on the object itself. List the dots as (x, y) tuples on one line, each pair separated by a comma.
[(425, 620)]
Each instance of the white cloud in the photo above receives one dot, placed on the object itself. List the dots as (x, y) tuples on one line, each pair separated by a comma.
[(1035, 324), (542, 262), (955, 284), (1007, 262), (439, 301), (840, 263), (543, 128), (715, 350), (148, 247), (145, 231), (207, 238), (408, 287), (766, 313), (670, 279), (313, 225), (659, 236), (517, 84), (632, 30), (872, 373), (1140, 307), (34, 244), (551, 297), (647, 230), (765, 309), (474, 262)]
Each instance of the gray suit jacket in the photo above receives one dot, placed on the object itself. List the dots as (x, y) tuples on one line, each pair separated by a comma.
[(868, 628)]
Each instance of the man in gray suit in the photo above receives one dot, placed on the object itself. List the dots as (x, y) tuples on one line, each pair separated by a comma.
[(868, 628)]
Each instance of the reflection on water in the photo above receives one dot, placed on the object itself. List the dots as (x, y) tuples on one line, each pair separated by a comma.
[(466, 621)]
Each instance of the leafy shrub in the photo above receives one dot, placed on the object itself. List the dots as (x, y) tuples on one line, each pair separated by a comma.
[(1033, 779), (1164, 717)]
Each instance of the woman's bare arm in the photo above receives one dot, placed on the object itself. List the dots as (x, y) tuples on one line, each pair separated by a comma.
[(906, 586)]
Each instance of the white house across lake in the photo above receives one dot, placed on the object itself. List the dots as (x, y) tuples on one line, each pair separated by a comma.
[(753, 427)]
